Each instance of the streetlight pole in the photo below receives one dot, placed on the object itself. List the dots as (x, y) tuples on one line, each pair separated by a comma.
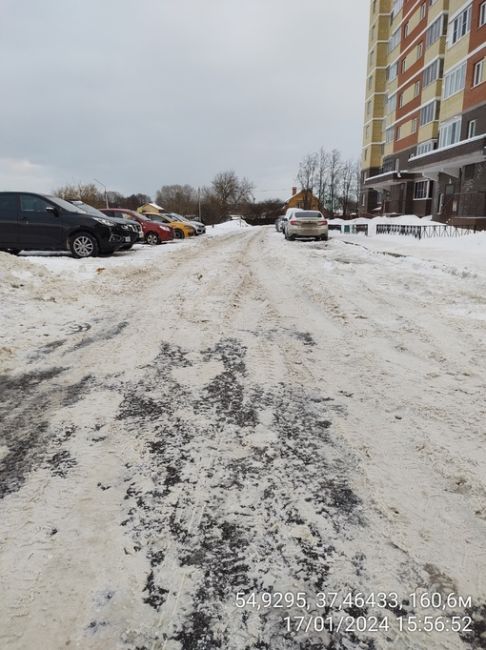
[(106, 193)]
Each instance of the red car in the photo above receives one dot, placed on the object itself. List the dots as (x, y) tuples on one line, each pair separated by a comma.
[(153, 231)]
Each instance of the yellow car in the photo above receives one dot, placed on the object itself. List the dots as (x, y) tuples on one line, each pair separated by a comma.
[(181, 228)]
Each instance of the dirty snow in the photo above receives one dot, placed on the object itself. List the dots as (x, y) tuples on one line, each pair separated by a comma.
[(238, 413)]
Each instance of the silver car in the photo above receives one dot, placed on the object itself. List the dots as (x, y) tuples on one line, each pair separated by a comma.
[(199, 227), (305, 223)]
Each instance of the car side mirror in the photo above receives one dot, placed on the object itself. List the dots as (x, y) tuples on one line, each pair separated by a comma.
[(53, 210)]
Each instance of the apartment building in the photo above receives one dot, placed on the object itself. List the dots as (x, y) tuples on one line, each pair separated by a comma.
[(424, 140)]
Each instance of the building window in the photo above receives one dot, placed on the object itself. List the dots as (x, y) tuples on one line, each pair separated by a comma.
[(471, 128), (482, 14), (392, 71), (397, 6), (455, 80), (450, 133), (370, 82), (435, 31), (414, 126), (428, 113), (421, 190), (433, 72), (405, 31), (425, 147), (478, 73), (392, 103), (420, 49), (390, 135), (394, 40), (423, 10), (461, 25)]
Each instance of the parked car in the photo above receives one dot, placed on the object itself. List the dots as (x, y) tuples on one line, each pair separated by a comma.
[(279, 223), (136, 232), (31, 221), (305, 223), (199, 227), (180, 228), (154, 232)]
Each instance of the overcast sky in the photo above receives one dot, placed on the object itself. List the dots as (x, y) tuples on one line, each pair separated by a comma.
[(144, 93)]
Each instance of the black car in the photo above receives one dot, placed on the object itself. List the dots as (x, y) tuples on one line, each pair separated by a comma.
[(39, 222), (135, 229)]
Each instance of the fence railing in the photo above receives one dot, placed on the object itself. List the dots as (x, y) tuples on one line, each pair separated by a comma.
[(422, 232), (350, 229)]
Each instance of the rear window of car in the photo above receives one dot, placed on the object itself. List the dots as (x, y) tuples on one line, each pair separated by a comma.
[(8, 205), (308, 214)]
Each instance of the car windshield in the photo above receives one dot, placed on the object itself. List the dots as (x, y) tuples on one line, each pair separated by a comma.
[(65, 205), (89, 209), (308, 214)]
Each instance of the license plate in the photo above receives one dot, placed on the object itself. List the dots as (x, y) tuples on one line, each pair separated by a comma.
[(127, 239)]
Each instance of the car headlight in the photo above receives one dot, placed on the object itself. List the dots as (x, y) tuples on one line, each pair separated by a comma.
[(105, 222)]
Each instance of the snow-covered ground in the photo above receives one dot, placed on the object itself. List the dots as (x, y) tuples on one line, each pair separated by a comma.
[(242, 414)]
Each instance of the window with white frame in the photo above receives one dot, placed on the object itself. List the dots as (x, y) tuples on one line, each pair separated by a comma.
[(478, 73), (421, 190), (435, 31), (397, 6), (461, 25), (392, 103), (433, 72), (390, 135), (455, 80), (482, 14), (428, 113), (394, 40), (450, 133), (392, 71), (471, 128), (425, 147)]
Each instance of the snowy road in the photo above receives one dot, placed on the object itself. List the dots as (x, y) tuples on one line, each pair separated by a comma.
[(243, 415)]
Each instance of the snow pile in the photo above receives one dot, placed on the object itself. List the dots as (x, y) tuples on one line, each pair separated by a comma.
[(235, 225)]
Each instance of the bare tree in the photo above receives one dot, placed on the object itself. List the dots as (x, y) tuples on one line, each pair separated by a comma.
[(322, 178), (231, 192), (347, 185), (335, 171), (307, 177), (177, 198), (87, 192)]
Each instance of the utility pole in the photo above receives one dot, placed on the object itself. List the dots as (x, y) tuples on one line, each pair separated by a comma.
[(199, 203), (106, 193)]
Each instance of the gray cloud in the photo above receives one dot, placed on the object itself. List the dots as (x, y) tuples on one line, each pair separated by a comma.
[(141, 93)]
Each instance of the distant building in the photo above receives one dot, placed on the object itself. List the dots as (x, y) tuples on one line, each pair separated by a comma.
[(150, 207), (424, 139), (304, 199)]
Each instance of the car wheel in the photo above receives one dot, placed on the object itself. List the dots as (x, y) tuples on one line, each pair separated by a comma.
[(83, 245), (325, 237), (152, 238), (126, 248), (179, 234), (13, 251)]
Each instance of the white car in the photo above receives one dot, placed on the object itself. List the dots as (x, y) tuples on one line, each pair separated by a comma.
[(305, 223)]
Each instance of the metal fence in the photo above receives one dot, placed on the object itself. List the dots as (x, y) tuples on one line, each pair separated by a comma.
[(422, 232)]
